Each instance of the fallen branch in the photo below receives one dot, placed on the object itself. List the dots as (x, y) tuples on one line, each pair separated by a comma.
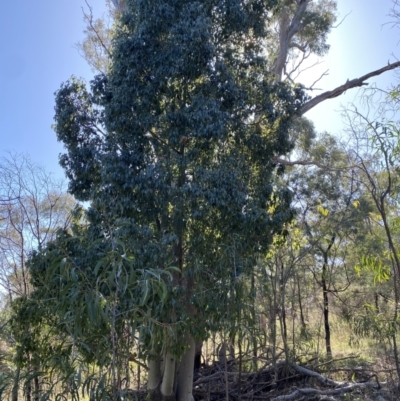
[(358, 370), (324, 380), (313, 391), (354, 83), (341, 387)]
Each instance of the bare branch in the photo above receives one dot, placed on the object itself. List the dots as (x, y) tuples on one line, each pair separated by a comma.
[(342, 20), (296, 66), (89, 19), (284, 162), (289, 163), (324, 74), (8, 200), (303, 49), (340, 387), (354, 83)]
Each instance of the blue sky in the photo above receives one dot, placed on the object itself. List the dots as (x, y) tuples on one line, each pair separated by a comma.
[(364, 42), (37, 54)]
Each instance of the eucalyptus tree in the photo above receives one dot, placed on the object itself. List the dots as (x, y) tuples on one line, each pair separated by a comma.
[(330, 213), (98, 34), (34, 205), (167, 150), (375, 156), (298, 30), (301, 29)]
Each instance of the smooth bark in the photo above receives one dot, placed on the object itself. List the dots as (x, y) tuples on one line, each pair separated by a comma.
[(185, 373), (154, 378), (168, 378), (354, 83), (287, 30)]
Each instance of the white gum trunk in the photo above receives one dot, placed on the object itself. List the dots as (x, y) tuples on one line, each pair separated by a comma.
[(280, 61), (185, 373), (167, 384), (154, 375)]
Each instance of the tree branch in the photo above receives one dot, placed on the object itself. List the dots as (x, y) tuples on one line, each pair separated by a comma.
[(339, 387), (287, 30), (354, 83), (279, 160), (89, 19)]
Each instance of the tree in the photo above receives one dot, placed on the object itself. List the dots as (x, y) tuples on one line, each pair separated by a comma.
[(298, 29), (329, 218), (96, 46), (326, 212), (177, 146), (177, 170), (375, 156), (33, 207), (301, 29)]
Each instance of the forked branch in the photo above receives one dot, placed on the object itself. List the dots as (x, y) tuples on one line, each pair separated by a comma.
[(354, 83)]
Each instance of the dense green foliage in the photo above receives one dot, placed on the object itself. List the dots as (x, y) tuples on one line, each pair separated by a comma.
[(199, 224), (169, 151)]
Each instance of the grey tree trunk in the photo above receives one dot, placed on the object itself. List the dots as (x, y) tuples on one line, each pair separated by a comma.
[(167, 383), (14, 393), (154, 378), (288, 28), (185, 373), (326, 314), (168, 377), (324, 282)]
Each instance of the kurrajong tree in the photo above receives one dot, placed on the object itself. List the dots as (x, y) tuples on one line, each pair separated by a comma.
[(167, 149)]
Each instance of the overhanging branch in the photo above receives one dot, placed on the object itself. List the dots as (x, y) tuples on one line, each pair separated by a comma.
[(289, 163), (354, 83)]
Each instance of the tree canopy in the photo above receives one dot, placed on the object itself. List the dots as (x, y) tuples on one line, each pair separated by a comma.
[(212, 211), (174, 148)]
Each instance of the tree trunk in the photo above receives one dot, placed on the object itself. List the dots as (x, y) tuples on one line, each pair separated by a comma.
[(197, 354), (154, 378), (37, 386), (14, 393), (303, 322), (288, 28), (28, 384), (29, 391), (280, 61), (395, 318), (168, 378), (185, 373), (253, 316), (326, 308)]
